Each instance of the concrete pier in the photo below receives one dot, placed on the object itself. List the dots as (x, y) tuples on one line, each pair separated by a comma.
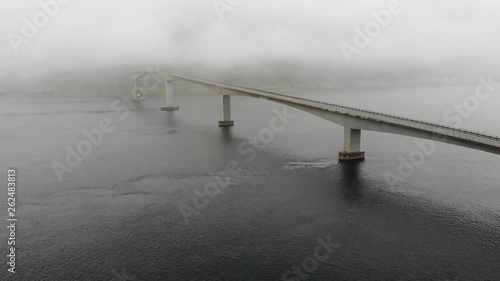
[(226, 112), (137, 95), (352, 145), (169, 92)]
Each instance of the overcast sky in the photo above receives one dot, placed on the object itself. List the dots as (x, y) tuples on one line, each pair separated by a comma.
[(426, 33)]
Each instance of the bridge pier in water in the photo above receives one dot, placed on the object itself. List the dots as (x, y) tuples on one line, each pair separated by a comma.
[(169, 92), (352, 145), (226, 112)]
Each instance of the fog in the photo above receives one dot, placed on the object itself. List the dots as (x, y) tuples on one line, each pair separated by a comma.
[(292, 38)]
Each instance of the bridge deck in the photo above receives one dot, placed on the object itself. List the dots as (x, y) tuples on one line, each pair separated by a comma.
[(359, 113)]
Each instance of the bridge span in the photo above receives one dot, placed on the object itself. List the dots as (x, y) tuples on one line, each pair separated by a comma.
[(354, 120)]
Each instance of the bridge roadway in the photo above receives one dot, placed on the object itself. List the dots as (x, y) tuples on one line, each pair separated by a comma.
[(352, 119)]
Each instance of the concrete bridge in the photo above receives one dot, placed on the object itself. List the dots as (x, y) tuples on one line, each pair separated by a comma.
[(354, 120)]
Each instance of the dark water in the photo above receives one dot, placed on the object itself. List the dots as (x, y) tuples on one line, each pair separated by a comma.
[(116, 215)]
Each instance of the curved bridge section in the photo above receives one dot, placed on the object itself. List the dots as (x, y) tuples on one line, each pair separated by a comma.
[(354, 120)]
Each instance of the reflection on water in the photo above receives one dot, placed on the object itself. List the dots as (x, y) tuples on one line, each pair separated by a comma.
[(225, 135), (170, 117), (351, 182)]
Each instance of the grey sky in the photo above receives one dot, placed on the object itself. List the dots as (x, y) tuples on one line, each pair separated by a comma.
[(431, 33)]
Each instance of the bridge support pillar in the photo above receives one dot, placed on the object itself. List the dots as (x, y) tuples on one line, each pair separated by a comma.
[(139, 94), (169, 92), (352, 145), (226, 112)]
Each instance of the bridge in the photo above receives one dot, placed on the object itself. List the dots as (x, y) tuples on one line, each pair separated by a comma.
[(354, 120)]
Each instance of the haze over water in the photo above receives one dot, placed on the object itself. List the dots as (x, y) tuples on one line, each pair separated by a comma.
[(118, 211), (131, 209)]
